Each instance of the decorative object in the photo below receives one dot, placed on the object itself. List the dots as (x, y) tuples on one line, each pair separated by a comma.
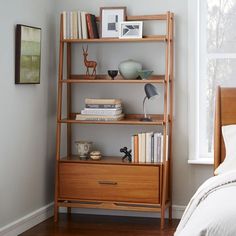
[(151, 93), (112, 73), (129, 69), (131, 29), (28, 55), (83, 148), (145, 74), (89, 64), (95, 155), (127, 154), (110, 18)]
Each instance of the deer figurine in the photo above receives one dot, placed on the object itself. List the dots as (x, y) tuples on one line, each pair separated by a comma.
[(89, 64)]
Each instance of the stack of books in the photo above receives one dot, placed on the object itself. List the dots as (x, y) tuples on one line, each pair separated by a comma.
[(148, 147), (101, 110), (79, 25)]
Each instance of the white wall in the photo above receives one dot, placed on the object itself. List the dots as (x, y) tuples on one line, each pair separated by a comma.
[(109, 138), (27, 121)]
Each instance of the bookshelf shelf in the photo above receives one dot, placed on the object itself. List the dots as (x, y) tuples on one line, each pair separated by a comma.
[(109, 160), (149, 38), (128, 120), (106, 79), (110, 183)]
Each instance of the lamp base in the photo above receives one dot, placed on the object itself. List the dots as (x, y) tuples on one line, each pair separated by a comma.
[(146, 119)]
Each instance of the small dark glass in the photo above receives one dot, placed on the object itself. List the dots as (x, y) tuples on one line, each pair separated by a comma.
[(112, 73)]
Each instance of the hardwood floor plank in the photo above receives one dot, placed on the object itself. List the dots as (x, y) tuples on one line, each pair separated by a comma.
[(91, 225)]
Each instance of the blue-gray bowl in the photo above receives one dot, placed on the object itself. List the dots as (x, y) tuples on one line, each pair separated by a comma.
[(145, 74)]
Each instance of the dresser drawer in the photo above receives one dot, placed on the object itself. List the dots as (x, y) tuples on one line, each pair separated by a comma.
[(139, 184)]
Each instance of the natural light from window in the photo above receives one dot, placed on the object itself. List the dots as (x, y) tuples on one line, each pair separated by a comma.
[(217, 63)]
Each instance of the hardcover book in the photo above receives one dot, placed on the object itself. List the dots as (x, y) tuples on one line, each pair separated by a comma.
[(99, 118), (103, 106), (84, 25), (94, 26), (89, 26), (102, 101), (104, 112), (136, 148)]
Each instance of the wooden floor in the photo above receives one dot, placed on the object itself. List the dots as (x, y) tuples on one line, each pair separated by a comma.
[(93, 225)]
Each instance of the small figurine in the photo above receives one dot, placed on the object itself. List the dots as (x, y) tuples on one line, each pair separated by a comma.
[(89, 64), (127, 154)]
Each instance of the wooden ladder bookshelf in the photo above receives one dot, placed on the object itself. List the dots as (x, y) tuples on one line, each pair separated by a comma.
[(148, 186)]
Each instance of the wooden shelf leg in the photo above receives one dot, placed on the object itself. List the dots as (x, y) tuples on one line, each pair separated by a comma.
[(162, 217), (55, 212), (170, 213)]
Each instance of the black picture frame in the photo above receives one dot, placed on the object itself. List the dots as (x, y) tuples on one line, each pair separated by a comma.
[(27, 54)]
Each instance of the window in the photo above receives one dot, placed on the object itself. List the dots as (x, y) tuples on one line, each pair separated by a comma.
[(216, 65)]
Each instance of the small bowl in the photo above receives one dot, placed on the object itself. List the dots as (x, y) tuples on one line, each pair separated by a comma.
[(145, 74), (112, 73)]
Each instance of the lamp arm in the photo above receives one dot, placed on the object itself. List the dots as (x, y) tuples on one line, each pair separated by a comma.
[(144, 107)]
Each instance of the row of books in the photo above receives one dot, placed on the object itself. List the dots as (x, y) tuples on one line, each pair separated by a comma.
[(101, 110), (79, 25), (148, 147)]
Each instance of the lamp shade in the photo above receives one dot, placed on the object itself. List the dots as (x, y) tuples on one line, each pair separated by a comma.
[(150, 91)]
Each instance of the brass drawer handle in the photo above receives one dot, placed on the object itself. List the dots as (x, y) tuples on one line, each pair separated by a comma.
[(108, 182)]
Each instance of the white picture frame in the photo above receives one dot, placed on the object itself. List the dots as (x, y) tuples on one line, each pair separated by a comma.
[(130, 29), (110, 18)]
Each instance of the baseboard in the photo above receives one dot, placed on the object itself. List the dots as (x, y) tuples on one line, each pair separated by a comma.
[(21, 225), (177, 212)]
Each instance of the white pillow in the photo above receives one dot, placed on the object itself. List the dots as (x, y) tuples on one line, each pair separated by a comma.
[(229, 163)]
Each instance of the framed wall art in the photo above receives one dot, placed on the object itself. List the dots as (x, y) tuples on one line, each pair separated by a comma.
[(131, 29), (110, 18), (28, 55)]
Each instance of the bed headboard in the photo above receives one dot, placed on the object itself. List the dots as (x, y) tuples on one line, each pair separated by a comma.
[(225, 114)]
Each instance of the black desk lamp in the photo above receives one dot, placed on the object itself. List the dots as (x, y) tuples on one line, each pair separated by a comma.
[(151, 93)]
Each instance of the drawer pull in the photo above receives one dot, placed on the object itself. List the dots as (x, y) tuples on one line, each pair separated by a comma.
[(108, 182)]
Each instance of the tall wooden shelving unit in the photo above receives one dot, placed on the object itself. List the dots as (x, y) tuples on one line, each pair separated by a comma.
[(110, 183)]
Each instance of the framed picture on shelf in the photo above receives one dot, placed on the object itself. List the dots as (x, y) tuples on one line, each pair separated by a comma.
[(110, 18), (28, 55), (131, 29)]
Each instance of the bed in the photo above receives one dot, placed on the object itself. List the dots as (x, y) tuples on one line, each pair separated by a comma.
[(212, 209)]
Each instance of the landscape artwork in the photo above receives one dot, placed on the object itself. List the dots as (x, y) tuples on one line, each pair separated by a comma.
[(28, 55)]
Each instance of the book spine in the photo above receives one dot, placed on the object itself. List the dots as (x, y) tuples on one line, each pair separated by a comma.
[(140, 147), (103, 106), (101, 112), (97, 119), (152, 149), (64, 24), (79, 25), (158, 158), (89, 26), (71, 25), (148, 147), (136, 150), (68, 25), (94, 26), (102, 101), (155, 151), (161, 148), (132, 148), (143, 156), (84, 25), (75, 25)]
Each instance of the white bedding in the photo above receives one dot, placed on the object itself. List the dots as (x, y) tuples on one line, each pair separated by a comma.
[(212, 209)]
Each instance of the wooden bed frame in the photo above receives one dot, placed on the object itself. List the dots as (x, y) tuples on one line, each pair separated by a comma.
[(225, 114)]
